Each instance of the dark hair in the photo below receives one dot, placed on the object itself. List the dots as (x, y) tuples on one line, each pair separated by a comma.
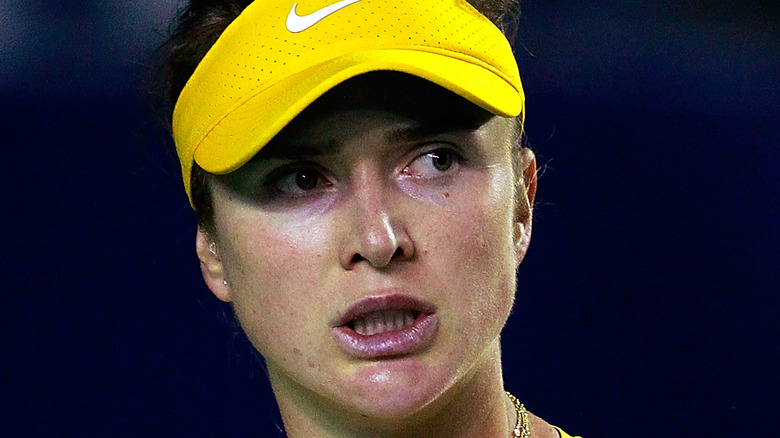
[(200, 24)]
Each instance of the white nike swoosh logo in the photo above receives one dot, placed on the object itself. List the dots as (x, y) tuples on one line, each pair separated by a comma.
[(297, 23)]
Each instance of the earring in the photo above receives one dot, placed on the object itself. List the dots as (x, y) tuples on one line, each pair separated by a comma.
[(224, 282), (213, 247)]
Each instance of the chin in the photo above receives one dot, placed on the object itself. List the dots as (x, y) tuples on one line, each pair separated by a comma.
[(395, 389)]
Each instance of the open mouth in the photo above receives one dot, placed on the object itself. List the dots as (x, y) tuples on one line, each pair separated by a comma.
[(386, 326), (383, 321)]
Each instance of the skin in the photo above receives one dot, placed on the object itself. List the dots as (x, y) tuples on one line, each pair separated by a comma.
[(342, 206)]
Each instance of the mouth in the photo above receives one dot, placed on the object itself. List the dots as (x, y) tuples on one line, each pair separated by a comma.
[(383, 321), (386, 326)]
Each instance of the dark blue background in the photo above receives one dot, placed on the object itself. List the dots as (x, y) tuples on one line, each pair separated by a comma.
[(647, 304)]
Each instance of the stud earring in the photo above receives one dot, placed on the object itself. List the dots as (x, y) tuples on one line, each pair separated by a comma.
[(213, 247)]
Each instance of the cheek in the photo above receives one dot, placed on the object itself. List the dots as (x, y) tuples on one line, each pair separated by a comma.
[(489, 262), (483, 229), (272, 267), (476, 248)]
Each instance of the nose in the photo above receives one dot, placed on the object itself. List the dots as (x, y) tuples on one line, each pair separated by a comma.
[(375, 228)]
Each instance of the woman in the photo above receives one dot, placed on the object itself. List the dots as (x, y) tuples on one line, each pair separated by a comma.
[(363, 204)]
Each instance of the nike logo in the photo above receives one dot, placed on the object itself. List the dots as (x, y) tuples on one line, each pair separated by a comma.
[(297, 23)]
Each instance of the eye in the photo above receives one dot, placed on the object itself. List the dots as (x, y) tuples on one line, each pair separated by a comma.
[(306, 179), (434, 163), (296, 182)]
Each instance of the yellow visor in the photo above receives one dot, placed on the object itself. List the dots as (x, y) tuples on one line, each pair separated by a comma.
[(278, 57)]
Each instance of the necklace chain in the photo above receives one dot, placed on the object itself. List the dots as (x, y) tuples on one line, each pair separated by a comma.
[(522, 429)]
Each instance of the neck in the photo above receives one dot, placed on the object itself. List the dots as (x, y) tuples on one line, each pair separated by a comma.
[(474, 406)]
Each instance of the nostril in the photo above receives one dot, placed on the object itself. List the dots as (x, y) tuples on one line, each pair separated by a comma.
[(357, 258)]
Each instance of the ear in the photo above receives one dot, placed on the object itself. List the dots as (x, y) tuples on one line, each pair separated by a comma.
[(211, 265), (526, 193)]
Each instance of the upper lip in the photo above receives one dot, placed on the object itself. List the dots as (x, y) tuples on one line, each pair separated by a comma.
[(377, 303)]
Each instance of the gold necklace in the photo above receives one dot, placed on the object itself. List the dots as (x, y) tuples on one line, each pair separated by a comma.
[(522, 429)]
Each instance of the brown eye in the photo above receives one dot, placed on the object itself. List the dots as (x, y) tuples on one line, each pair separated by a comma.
[(306, 179), (442, 160), (297, 180)]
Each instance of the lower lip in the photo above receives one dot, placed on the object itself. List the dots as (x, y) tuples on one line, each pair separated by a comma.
[(409, 340)]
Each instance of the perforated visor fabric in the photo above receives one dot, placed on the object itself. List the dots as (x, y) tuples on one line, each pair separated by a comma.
[(259, 75)]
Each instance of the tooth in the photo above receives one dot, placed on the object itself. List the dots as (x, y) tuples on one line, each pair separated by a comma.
[(360, 326), (380, 323), (408, 319), (399, 321), (370, 326), (389, 320)]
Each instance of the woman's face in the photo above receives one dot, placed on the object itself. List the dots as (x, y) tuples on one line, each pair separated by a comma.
[(370, 250)]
